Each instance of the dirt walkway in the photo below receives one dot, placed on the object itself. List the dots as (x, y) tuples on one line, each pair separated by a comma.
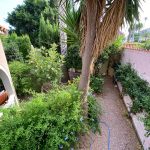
[(122, 134)]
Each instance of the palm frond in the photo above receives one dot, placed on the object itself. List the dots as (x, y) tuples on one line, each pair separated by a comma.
[(110, 17), (72, 21), (132, 10)]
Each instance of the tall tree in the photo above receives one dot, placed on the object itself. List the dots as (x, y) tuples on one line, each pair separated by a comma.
[(138, 27), (134, 30), (131, 32), (26, 17), (48, 33)]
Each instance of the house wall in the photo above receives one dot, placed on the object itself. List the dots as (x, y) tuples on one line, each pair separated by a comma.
[(140, 61), (5, 74), (3, 61)]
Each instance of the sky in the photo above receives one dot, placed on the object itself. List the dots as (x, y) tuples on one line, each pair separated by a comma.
[(5, 7), (8, 6), (145, 12)]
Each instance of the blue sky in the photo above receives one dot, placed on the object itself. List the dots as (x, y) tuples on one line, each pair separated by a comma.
[(8, 5), (5, 7)]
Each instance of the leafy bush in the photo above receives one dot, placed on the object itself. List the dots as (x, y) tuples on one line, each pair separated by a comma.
[(48, 121), (24, 45), (16, 47), (72, 59), (11, 48), (94, 111), (21, 76), (96, 83), (137, 88), (147, 124), (110, 54), (47, 67), (40, 69), (146, 45), (111, 50), (24, 78)]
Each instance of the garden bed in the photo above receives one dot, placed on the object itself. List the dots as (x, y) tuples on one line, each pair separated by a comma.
[(136, 119), (136, 96)]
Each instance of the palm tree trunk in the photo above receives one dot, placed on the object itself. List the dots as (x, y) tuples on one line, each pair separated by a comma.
[(130, 35), (63, 38), (87, 59), (63, 35)]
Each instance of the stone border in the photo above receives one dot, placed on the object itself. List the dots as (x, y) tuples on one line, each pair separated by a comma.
[(136, 49), (136, 119)]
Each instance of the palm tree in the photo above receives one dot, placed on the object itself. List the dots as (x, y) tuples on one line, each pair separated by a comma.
[(138, 27), (134, 28), (131, 32), (71, 18), (63, 35), (145, 32), (100, 22)]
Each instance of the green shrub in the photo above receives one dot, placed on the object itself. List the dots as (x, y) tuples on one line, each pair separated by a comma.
[(94, 112), (11, 48), (49, 121), (147, 124), (111, 50), (24, 45), (146, 45), (110, 54), (96, 83), (39, 70), (21, 76), (47, 67), (137, 88), (48, 33), (16, 47), (72, 59)]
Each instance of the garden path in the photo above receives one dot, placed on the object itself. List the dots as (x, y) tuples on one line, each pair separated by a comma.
[(114, 114)]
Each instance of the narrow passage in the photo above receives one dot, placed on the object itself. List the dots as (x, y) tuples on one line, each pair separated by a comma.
[(114, 114)]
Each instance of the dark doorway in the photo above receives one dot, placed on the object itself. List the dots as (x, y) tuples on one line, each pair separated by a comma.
[(1, 86)]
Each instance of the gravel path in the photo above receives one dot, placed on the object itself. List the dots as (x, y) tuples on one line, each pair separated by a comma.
[(122, 134)]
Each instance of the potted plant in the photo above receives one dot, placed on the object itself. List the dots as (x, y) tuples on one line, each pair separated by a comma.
[(3, 97)]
